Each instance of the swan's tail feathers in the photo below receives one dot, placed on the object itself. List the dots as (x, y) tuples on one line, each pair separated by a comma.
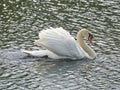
[(31, 53), (41, 53), (36, 42)]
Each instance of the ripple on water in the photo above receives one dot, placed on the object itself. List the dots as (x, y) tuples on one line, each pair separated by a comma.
[(22, 20)]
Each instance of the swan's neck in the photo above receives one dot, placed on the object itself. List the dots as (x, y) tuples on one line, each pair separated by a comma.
[(85, 47)]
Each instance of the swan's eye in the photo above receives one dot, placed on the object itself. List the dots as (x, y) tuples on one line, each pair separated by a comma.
[(90, 35)]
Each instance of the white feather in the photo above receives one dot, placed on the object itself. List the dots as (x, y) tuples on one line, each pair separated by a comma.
[(42, 53), (61, 43)]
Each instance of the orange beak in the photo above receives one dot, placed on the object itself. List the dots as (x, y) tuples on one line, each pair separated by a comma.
[(90, 37)]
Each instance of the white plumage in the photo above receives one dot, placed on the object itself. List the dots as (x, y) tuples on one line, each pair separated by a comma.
[(59, 44)]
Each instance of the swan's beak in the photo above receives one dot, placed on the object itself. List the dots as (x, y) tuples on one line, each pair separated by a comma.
[(90, 37)]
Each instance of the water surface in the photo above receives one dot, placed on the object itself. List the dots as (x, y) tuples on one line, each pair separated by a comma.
[(20, 22)]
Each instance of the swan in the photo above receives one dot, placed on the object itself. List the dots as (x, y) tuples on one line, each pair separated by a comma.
[(59, 44)]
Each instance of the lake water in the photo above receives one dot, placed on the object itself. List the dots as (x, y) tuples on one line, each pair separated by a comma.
[(20, 22)]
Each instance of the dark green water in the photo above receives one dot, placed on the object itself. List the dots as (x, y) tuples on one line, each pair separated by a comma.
[(20, 22)]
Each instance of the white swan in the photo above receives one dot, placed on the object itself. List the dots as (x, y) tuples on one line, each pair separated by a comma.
[(60, 44)]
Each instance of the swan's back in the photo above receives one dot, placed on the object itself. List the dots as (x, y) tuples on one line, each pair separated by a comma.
[(60, 42)]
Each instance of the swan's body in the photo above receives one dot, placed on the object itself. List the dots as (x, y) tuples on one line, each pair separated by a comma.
[(60, 44)]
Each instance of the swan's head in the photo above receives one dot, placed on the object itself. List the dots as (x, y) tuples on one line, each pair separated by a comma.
[(85, 33)]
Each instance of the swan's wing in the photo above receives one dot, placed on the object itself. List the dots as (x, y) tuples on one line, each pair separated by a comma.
[(60, 42)]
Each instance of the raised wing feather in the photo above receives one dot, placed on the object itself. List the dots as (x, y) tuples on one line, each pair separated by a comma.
[(60, 42)]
